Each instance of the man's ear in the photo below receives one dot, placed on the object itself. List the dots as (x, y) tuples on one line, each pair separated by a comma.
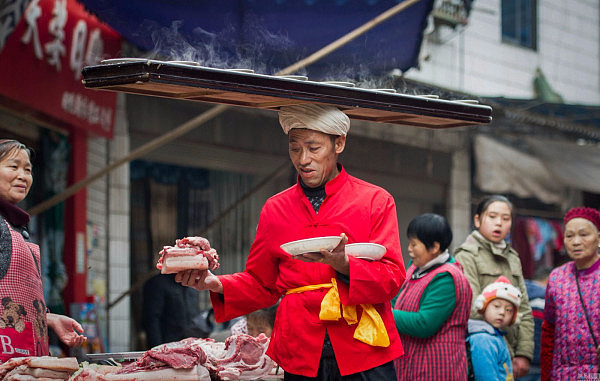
[(340, 144)]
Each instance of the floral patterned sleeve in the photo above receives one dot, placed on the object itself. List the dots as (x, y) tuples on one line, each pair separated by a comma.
[(550, 304)]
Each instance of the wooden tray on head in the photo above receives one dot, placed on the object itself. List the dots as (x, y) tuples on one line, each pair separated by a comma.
[(248, 89)]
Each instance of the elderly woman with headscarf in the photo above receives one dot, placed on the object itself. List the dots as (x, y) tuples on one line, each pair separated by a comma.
[(24, 318), (570, 347), (312, 338)]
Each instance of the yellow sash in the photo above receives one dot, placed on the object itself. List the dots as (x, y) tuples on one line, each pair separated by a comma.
[(370, 329)]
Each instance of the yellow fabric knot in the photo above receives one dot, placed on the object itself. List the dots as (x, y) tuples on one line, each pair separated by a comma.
[(370, 329)]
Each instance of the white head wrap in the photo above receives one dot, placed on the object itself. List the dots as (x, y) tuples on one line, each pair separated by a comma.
[(326, 119)]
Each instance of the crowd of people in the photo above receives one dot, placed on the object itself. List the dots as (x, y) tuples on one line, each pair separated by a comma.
[(447, 316), (465, 315)]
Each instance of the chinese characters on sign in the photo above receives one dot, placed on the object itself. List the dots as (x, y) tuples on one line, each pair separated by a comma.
[(85, 108), (82, 51), (11, 12), (48, 48)]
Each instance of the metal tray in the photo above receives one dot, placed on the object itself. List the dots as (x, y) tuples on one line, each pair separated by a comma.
[(204, 84), (116, 356)]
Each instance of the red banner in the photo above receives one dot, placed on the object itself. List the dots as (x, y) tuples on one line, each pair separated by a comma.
[(41, 62)]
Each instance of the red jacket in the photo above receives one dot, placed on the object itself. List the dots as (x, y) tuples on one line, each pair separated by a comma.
[(366, 213)]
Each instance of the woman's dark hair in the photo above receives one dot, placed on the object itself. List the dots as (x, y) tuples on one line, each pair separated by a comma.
[(9, 146), (488, 200), (429, 228)]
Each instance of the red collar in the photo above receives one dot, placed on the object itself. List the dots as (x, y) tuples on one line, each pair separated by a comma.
[(13, 214), (590, 269), (333, 185)]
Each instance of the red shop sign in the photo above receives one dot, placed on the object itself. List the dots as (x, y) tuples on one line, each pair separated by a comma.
[(42, 58)]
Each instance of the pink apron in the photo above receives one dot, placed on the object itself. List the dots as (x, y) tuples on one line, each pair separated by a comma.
[(23, 328)]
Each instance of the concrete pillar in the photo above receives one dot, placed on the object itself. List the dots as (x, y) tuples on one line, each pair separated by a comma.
[(460, 196), (97, 243), (118, 235)]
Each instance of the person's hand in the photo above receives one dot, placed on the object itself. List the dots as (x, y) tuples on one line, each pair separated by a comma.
[(68, 330), (336, 258), (200, 280), (520, 366)]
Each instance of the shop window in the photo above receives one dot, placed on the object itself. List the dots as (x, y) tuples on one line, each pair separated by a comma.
[(519, 23), (169, 202)]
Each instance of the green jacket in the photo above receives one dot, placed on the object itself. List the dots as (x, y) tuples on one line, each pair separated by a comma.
[(436, 305), (482, 267)]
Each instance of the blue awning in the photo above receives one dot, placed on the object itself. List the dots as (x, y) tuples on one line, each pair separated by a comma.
[(269, 35)]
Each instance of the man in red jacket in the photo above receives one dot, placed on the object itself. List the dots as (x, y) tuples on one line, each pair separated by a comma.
[(309, 341)]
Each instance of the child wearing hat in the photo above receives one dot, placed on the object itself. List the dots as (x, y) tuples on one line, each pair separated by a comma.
[(498, 304)]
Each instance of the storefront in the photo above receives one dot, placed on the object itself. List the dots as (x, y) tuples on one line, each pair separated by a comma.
[(44, 104)]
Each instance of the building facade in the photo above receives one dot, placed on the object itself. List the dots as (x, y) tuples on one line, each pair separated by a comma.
[(504, 43)]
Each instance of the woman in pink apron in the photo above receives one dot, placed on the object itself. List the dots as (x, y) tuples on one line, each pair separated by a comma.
[(24, 320)]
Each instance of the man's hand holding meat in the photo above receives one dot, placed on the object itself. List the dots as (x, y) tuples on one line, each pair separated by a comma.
[(200, 280)]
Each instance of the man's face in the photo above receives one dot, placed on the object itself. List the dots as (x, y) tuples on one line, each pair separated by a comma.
[(314, 155)]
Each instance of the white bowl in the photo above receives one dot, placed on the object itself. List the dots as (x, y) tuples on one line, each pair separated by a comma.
[(311, 245), (366, 250)]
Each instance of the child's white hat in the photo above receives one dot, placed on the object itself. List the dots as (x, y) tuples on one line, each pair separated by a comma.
[(500, 289)]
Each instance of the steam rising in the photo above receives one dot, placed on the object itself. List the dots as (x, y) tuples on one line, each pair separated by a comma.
[(227, 49), (252, 46)]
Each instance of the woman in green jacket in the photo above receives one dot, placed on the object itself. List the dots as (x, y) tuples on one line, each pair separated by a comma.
[(432, 309), (484, 256)]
